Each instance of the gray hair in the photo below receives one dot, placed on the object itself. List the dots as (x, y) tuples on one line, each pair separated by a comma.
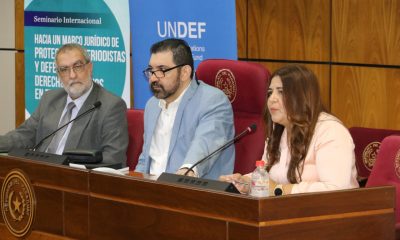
[(72, 46)]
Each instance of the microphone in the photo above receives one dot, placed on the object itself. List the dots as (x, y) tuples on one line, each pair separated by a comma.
[(250, 129), (95, 105)]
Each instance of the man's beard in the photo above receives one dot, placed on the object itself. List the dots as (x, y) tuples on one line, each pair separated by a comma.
[(161, 93), (75, 90)]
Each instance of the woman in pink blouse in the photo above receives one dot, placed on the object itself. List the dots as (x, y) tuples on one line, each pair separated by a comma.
[(307, 149)]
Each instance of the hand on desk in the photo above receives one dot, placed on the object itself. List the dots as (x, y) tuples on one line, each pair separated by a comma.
[(182, 171), (241, 182)]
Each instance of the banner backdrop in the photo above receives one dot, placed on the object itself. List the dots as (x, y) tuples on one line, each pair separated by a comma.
[(101, 26), (209, 26)]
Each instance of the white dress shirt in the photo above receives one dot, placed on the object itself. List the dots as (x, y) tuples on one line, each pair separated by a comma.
[(161, 139)]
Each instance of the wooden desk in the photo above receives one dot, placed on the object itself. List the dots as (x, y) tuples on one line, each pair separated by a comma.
[(82, 204)]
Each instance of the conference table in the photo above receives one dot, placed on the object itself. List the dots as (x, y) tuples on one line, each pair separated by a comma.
[(75, 203)]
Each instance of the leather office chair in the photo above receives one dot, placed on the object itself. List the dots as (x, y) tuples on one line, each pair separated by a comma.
[(367, 142), (386, 171), (135, 129), (245, 84)]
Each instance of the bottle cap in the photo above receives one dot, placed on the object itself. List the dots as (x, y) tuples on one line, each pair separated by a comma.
[(260, 163)]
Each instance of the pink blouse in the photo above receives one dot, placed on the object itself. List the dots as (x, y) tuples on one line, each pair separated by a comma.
[(330, 161)]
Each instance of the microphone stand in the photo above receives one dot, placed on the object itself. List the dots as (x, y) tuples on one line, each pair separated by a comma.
[(249, 129), (205, 183), (95, 105), (44, 156)]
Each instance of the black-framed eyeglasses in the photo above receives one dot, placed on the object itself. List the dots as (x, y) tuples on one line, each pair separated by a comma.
[(77, 68), (160, 73)]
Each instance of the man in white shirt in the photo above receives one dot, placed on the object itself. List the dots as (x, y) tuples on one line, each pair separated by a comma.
[(186, 120)]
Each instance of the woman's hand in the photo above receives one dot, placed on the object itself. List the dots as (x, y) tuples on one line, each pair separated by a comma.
[(241, 182)]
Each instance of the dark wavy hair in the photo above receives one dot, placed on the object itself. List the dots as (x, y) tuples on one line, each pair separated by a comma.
[(302, 100), (181, 52)]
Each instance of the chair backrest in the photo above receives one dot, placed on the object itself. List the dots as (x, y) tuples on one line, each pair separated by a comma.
[(386, 170), (245, 84), (367, 142), (135, 129)]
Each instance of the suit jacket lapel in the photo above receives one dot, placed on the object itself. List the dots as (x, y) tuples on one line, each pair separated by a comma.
[(77, 130), (54, 115), (179, 114), (151, 122), (154, 113)]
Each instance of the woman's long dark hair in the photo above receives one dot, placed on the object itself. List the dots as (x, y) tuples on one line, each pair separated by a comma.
[(302, 100)]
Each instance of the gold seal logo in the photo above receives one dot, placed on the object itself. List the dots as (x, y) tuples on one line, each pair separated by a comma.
[(397, 163), (225, 80), (369, 154), (18, 203)]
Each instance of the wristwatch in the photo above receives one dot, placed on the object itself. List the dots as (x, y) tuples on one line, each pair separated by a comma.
[(278, 191)]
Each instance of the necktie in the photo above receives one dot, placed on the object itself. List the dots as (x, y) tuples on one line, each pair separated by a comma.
[(58, 136)]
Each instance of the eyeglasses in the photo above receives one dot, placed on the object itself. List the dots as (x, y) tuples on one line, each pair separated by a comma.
[(77, 68), (159, 73)]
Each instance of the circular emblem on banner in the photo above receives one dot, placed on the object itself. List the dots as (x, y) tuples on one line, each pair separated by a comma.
[(369, 154), (18, 203), (397, 163), (225, 80)]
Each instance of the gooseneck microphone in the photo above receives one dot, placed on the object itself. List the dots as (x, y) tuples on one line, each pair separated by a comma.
[(250, 129), (95, 105)]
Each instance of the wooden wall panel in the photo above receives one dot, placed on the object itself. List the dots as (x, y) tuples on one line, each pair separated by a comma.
[(320, 70), (366, 31), (241, 27), (289, 29), (19, 24), (19, 63), (366, 97), (19, 88)]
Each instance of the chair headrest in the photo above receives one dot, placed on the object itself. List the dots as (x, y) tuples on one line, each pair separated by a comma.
[(245, 83), (367, 143), (387, 165)]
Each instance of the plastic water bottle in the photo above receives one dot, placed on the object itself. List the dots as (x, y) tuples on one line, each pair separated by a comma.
[(259, 181)]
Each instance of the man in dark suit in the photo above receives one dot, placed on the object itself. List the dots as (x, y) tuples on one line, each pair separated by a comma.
[(103, 129)]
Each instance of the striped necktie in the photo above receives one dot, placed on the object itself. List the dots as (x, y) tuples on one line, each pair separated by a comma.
[(58, 136)]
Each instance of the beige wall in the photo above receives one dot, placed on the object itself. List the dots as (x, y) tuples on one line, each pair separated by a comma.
[(7, 60)]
